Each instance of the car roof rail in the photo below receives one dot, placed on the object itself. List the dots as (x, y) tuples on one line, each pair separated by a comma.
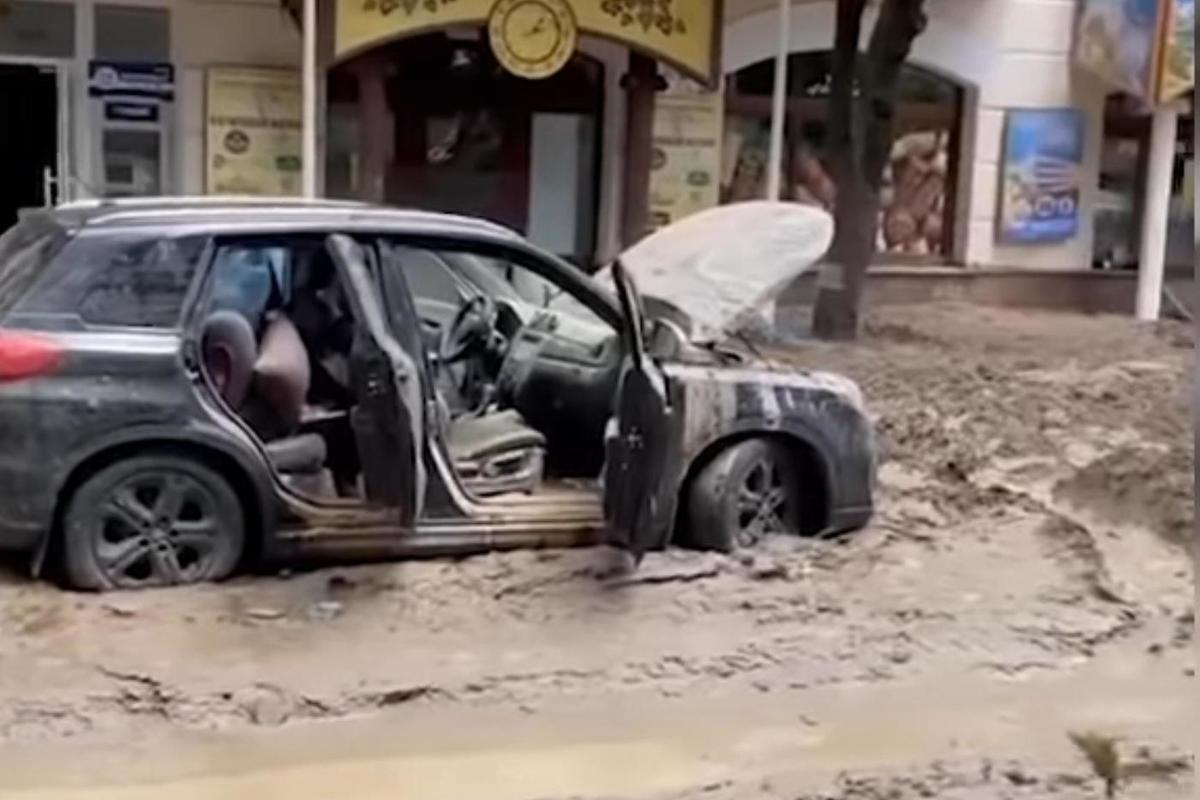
[(95, 203)]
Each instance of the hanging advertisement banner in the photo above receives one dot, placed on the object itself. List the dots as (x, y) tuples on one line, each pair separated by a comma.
[(1043, 164), (1143, 47), (253, 131), (685, 172), (682, 33)]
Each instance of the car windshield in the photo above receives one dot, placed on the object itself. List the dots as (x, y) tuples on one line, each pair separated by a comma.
[(485, 274), (24, 250)]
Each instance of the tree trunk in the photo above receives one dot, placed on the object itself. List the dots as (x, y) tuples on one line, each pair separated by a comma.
[(834, 316), (861, 141)]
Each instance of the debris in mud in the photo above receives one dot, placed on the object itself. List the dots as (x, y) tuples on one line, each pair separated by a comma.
[(671, 573), (325, 611), (1104, 755), (264, 614), (1074, 548), (265, 705), (1150, 487)]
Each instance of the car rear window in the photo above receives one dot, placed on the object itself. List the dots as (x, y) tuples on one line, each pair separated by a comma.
[(25, 249)]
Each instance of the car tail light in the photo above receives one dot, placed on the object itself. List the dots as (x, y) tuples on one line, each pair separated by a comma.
[(27, 356)]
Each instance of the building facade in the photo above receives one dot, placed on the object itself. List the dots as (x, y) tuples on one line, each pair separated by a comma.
[(71, 128), (417, 109)]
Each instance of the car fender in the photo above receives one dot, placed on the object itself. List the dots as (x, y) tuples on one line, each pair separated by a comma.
[(199, 435), (714, 408), (799, 430)]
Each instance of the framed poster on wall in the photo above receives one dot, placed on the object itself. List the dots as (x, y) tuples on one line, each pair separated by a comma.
[(253, 131), (1041, 177), (686, 171)]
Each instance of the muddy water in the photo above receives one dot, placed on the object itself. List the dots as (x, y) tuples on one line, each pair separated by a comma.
[(1024, 579), (630, 747)]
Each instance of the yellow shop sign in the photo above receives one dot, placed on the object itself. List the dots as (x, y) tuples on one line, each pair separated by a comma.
[(682, 33)]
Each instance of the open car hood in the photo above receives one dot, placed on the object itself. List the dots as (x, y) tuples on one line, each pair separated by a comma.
[(720, 265)]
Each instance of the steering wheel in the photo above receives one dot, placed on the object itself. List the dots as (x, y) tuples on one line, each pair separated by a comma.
[(472, 328)]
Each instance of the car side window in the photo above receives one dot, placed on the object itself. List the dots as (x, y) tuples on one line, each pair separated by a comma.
[(428, 276), (143, 283), (247, 277), (127, 279)]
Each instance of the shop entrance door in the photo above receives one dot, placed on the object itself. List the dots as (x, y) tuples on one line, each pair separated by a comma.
[(28, 138), (473, 139)]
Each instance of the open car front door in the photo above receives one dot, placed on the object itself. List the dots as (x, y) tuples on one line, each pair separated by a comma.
[(636, 439), (387, 384)]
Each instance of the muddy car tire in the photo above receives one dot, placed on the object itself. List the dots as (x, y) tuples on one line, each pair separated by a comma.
[(748, 492), (154, 520)]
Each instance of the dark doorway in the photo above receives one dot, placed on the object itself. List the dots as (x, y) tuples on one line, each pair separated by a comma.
[(472, 139), (28, 137)]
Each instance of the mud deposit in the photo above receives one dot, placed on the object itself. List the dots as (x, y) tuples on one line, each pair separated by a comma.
[(1027, 577)]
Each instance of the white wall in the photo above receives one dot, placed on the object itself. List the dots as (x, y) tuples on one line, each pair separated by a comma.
[(203, 32), (1007, 54), (220, 33)]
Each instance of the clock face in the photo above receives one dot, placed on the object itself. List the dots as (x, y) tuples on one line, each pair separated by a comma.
[(533, 38)]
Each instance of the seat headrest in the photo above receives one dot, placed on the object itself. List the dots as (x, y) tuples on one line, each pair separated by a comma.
[(229, 352)]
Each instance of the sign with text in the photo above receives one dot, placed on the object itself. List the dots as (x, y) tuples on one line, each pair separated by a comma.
[(685, 173), (1043, 161), (682, 33), (253, 132), (131, 80)]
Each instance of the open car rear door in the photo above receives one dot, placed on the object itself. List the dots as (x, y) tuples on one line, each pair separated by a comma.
[(636, 439), (387, 384)]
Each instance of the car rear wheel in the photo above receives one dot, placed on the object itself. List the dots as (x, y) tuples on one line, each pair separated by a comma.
[(749, 492), (154, 520)]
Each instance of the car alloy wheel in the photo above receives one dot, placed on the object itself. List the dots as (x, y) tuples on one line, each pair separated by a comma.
[(749, 492), (157, 529), (764, 503), (152, 521)]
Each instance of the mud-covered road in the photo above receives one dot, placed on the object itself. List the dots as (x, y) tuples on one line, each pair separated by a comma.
[(1027, 578)]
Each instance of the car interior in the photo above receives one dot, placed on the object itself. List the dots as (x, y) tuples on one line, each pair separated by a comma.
[(523, 392)]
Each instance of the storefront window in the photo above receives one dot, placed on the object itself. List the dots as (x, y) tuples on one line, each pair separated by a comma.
[(31, 28), (918, 202), (1123, 167)]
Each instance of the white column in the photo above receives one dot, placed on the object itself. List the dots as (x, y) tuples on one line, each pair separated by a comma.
[(779, 104), (309, 88), (1156, 214)]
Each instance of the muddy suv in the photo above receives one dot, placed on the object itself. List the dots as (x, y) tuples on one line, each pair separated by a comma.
[(188, 385)]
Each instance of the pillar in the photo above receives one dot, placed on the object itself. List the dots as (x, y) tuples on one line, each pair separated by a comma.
[(376, 135), (779, 103), (640, 84), (308, 162), (1156, 212)]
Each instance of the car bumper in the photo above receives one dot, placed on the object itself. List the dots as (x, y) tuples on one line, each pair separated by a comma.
[(19, 536)]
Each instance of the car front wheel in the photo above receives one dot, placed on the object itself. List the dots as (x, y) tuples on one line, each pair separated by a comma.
[(153, 520), (747, 493)]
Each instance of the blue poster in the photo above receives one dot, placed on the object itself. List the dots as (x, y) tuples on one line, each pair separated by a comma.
[(1043, 161)]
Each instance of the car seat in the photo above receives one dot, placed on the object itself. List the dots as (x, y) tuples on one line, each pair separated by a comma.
[(277, 376), (493, 453)]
